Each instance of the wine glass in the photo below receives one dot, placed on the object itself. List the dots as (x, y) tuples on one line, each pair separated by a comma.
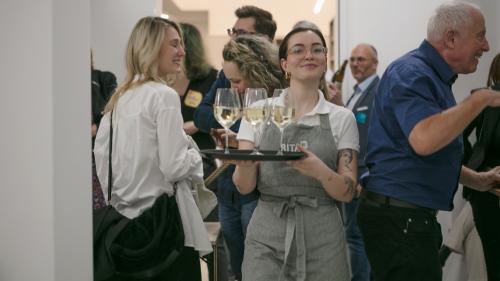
[(227, 109), (255, 111), (283, 112)]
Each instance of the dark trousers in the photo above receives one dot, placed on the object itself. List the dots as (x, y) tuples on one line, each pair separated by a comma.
[(401, 243), (234, 219), (486, 210), (360, 266)]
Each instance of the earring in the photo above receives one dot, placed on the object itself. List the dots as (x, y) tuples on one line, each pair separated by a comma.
[(287, 75)]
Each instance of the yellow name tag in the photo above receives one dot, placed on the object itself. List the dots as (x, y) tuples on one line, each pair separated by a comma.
[(193, 98)]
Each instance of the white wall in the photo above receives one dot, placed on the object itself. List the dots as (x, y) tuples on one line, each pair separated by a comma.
[(45, 194), (395, 27), (111, 24)]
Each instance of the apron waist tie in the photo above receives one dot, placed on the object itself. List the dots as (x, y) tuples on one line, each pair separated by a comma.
[(295, 226)]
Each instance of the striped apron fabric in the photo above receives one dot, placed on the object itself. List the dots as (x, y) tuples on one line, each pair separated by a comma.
[(296, 232)]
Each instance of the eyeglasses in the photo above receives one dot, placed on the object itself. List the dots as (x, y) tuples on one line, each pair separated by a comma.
[(236, 32), (300, 51), (358, 59)]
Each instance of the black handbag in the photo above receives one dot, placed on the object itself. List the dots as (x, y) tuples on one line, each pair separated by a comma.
[(139, 248)]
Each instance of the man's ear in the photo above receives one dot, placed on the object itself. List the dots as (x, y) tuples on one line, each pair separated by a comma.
[(449, 38)]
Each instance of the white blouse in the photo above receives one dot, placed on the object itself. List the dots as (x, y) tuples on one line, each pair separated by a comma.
[(150, 154), (342, 123)]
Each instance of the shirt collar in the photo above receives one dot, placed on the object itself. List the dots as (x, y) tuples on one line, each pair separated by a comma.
[(364, 85), (320, 108), (436, 61)]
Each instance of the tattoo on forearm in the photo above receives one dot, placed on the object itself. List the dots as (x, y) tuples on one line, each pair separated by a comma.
[(347, 156), (351, 189), (329, 179)]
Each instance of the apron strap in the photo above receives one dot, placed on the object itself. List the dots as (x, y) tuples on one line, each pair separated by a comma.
[(295, 227)]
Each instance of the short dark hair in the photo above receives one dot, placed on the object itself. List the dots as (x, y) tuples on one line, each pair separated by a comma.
[(264, 23)]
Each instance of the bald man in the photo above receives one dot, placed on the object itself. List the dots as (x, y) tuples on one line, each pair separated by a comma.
[(363, 63)]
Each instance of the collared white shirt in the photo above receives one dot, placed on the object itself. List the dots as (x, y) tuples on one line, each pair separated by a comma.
[(342, 123), (362, 88), (150, 149)]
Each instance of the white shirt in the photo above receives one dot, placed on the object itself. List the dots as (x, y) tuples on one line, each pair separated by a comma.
[(150, 149), (342, 123), (150, 155)]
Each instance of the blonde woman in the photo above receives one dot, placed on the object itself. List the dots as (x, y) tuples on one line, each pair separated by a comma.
[(151, 153), (296, 231)]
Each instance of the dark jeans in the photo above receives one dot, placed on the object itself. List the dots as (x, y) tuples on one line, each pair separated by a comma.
[(401, 243), (360, 266), (222, 262), (486, 210), (234, 220)]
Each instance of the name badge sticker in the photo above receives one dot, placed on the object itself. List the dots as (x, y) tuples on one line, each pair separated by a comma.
[(193, 98)]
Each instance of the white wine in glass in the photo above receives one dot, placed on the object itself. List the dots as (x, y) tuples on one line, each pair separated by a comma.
[(283, 112), (255, 111), (227, 110), (255, 115), (227, 116)]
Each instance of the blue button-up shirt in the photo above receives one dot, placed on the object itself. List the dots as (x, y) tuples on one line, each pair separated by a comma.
[(414, 87)]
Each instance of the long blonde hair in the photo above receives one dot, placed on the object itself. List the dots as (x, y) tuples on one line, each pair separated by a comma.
[(141, 56)]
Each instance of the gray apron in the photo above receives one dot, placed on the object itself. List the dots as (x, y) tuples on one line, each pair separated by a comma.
[(296, 231)]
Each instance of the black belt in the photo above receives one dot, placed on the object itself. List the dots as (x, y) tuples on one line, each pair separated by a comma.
[(377, 200)]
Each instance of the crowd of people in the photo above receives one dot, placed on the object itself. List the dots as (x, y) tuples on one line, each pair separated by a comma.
[(360, 204)]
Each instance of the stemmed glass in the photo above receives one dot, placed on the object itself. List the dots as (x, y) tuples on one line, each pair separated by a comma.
[(283, 112), (256, 112), (227, 109)]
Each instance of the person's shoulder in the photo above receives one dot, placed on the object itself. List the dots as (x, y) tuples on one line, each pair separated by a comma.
[(405, 70), (213, 73), (158, 87), (341, 119), (338, 112), (157, 95), (159, 90)]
